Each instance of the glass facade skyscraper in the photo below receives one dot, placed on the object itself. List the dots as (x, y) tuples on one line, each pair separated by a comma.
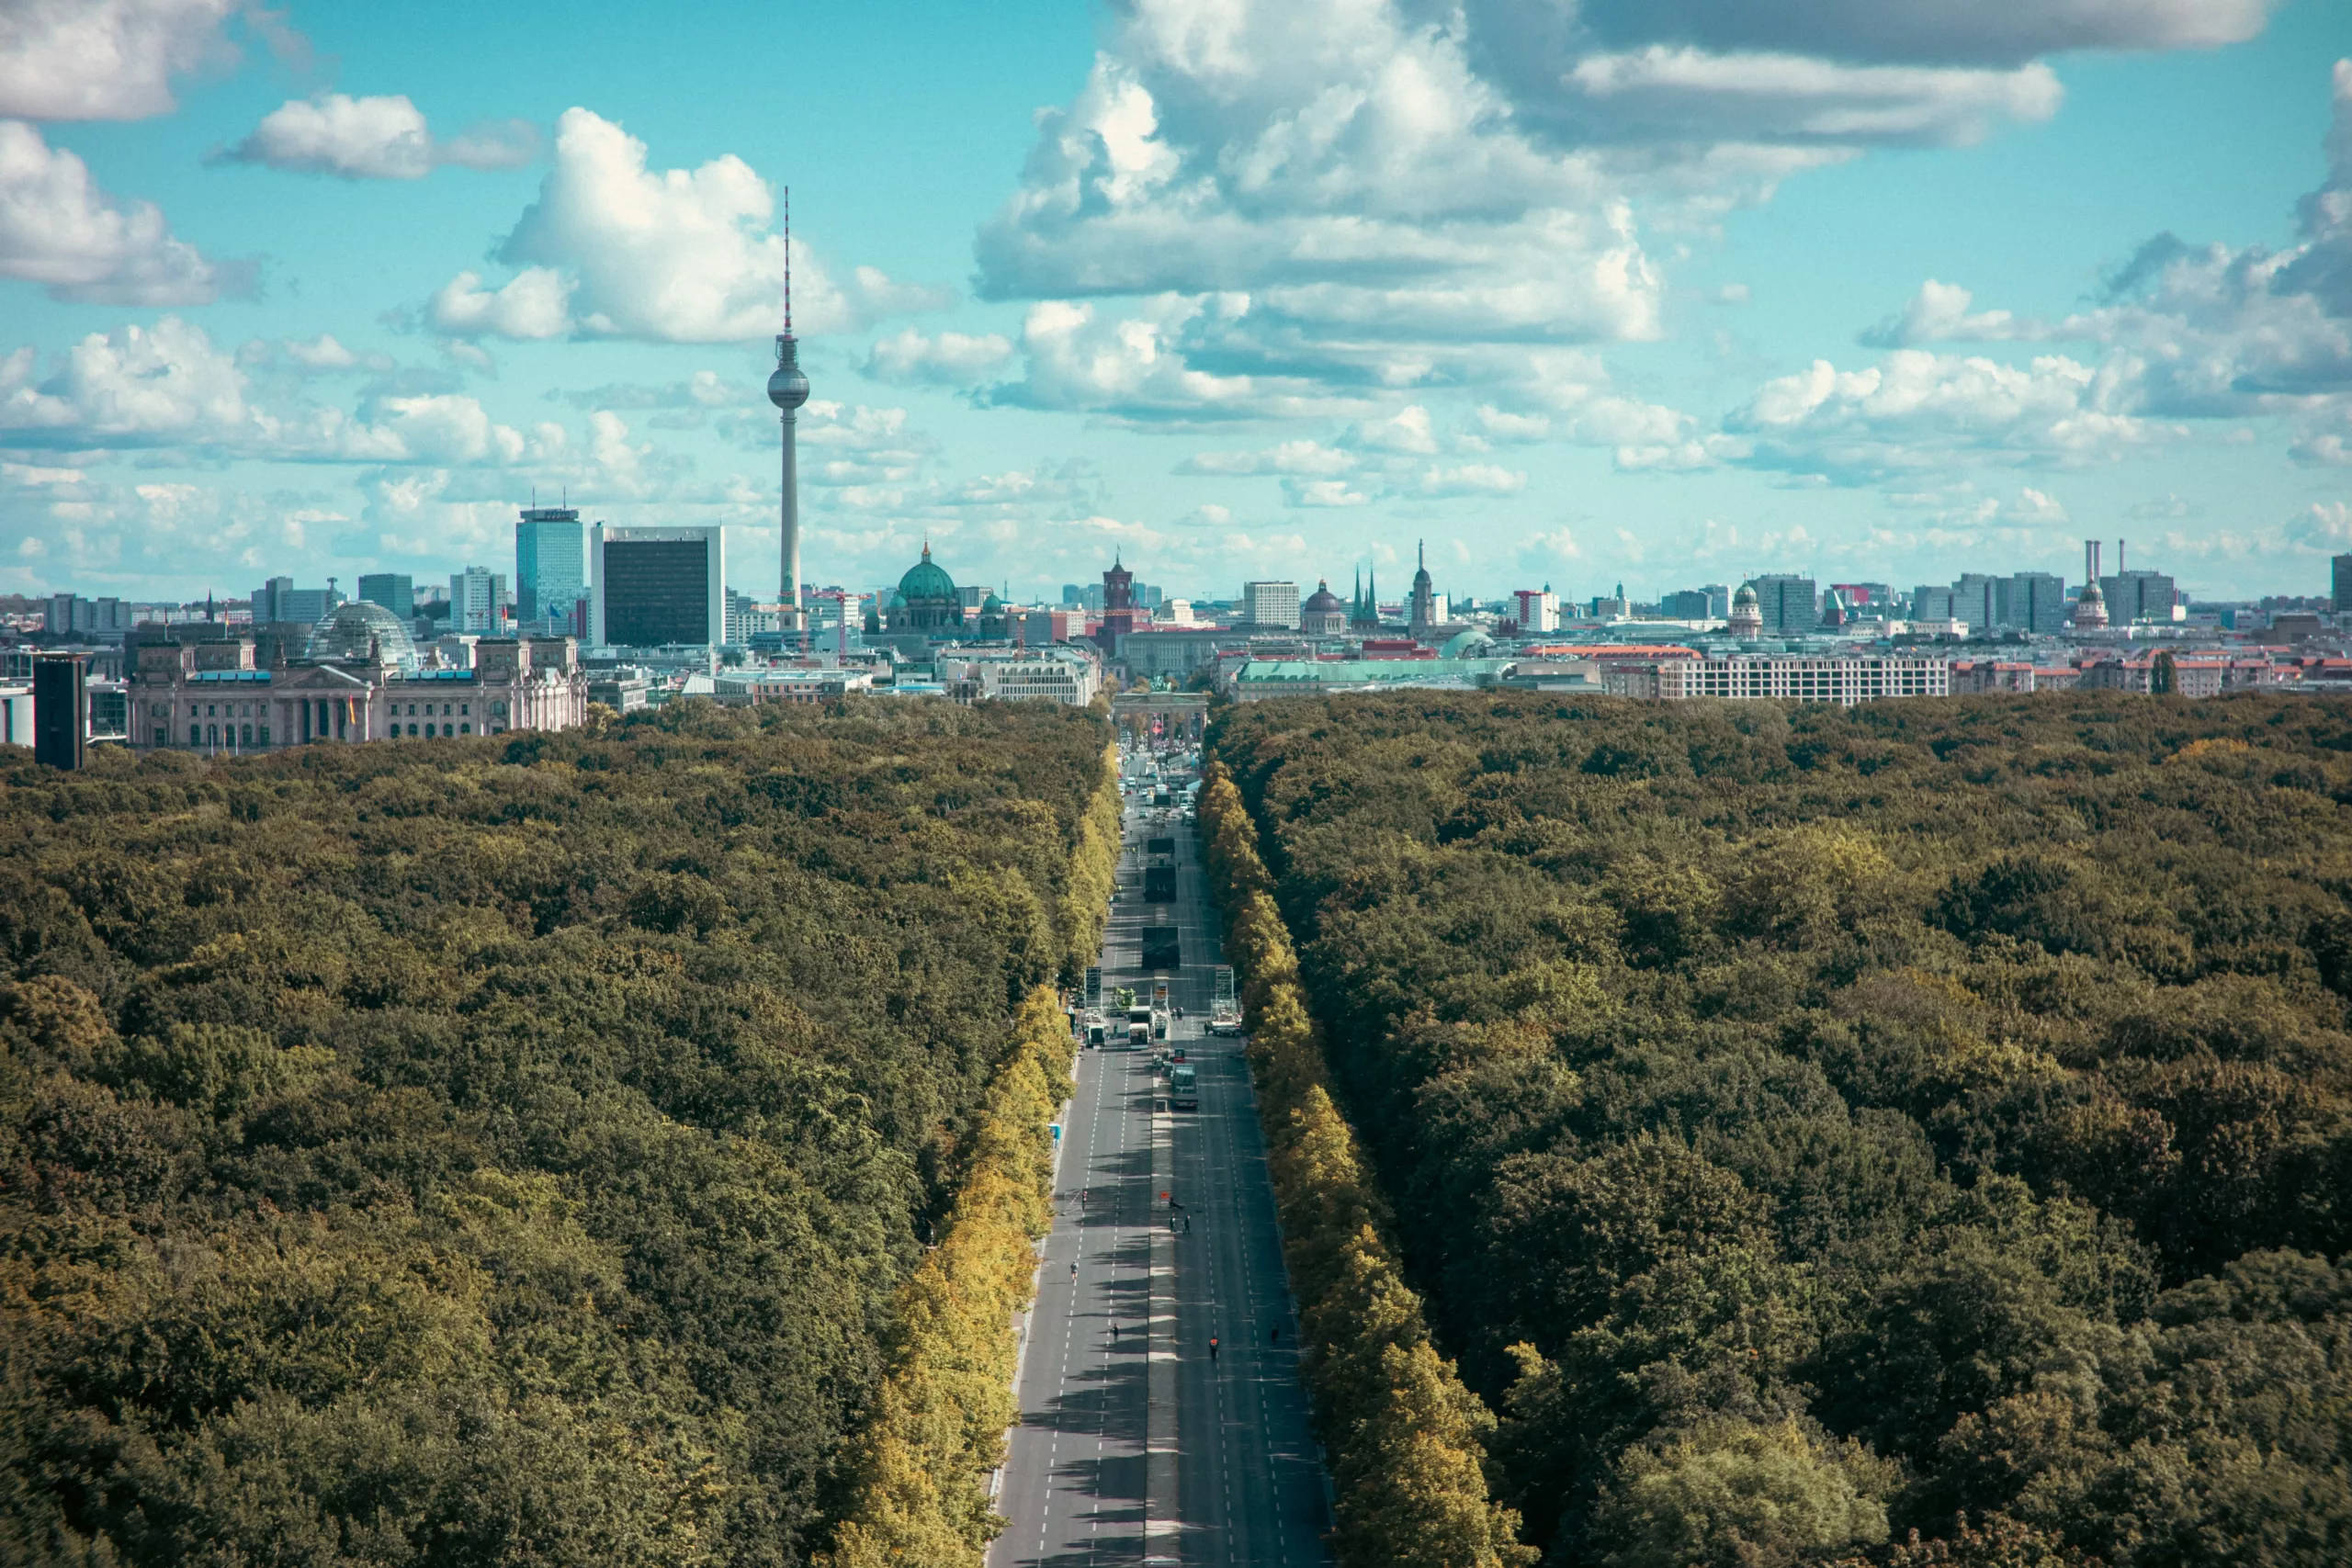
[(550, 564)]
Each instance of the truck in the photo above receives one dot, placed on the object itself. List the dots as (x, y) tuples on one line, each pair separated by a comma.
[(1161, 948), (1139, 1025), (1183, 1088), (1224, 1008), (1094, 1029), (1159, 847), (1160, 884)]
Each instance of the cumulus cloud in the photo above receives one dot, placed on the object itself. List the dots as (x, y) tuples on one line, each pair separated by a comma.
[(1939, 314), (1137, 367), (1324, 492), (1916, 410), (535, 303), (844, 443), (57, 228), (1407, 430), (1336, 161), (169, 386), (1385, 196), (950, 359), (105, 58), (1469, 479), (675, 255), (1296, 458), (1667, 95), (374, 138), (1933, 31), (2179, 332)]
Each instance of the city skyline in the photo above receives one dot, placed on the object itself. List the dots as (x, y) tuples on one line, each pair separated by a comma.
[(1260, 294)]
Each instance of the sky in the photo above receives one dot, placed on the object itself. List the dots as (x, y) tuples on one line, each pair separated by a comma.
[(1579, 292)]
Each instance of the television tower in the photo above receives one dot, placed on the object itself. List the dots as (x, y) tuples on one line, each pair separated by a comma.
[(787, 390)]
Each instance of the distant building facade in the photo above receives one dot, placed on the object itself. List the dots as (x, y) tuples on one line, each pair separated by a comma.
[(551, 566), (657, 587), (394, 590), (209, 696), (1789, 603), (1271, 603), (477, 601), (1843, 680)]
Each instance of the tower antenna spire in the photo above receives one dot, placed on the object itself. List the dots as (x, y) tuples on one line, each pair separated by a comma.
[(787, 390)]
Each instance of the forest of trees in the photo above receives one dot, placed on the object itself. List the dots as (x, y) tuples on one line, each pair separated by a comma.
[(1812, 1127), (519, 1150)]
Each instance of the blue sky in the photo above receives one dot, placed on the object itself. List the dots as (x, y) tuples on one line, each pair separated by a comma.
[(1580, 291)]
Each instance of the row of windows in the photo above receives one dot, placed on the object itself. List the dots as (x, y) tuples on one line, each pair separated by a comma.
[(239, 735), (247, 735)]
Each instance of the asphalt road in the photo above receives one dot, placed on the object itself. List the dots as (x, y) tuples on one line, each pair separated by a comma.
[(1248, 1486)]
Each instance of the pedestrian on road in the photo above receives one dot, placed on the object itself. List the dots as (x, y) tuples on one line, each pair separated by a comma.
[(1275, 1335), (1114, 1334), (1188, 1224), (1212, 1347), (1073, 1267)]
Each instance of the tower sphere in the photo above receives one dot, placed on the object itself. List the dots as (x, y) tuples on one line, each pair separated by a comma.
[(787, 388)]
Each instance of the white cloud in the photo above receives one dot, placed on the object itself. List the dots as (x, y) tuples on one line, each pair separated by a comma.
[(1407, 430), (846, 444), (1295, 458), (951, 359), (1916, 410), (58, 228), (2182, 332), (1959, 32), (168, 385), (1665, 94), (1939, 314), (374, 138), (139, 387), (1503, 425), (105, 59), (1337, 161), (1135, 366), (535, 303), (1469, 479), (1324, 492), (675, 255)]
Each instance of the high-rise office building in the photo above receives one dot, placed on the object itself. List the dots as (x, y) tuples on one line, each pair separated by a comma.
[(1789, 603), (1270, 604), (107, 620), (1932, 601), (2343, 584), (61, 710), (2035, 601), (2137, 595), (395, 591), (279, 600), (657, 587), (550, 565), (477, 601), (1974, 601)]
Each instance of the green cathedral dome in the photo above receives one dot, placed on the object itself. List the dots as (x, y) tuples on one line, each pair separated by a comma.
[(925, 580)]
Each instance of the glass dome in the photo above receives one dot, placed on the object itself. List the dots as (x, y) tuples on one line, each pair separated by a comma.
[(348, 630)]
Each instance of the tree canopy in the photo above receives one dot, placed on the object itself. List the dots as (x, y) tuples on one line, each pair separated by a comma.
[(510, 1150), (1811, 1127)]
